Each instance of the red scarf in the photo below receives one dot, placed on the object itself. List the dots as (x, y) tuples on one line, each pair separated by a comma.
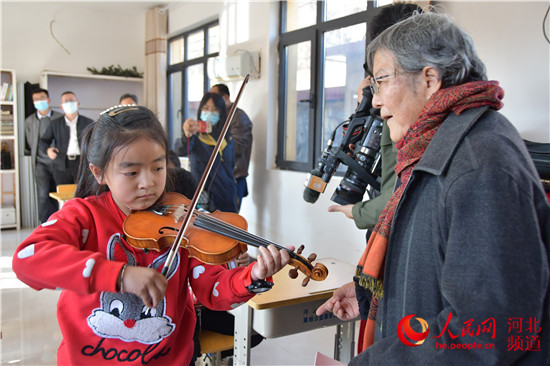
[(457, 99)]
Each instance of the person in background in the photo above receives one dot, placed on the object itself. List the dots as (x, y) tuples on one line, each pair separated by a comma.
[(115, 306), (241, 130), (62, 140), (35, 127), (198, 140), (127, 99), (463, 244)]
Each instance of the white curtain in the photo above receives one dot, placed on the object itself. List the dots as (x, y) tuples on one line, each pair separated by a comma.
[(156, 30)]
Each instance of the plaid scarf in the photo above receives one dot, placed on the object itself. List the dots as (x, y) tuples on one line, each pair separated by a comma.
[(457, 99)]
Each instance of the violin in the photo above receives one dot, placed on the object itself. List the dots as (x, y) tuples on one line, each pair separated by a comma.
[(184, 215), (212, 238)]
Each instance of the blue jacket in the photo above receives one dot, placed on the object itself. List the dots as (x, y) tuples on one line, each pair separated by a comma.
[(221, 183), (469, 251)]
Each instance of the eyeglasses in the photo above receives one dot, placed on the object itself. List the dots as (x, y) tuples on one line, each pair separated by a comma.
[(375, 87)]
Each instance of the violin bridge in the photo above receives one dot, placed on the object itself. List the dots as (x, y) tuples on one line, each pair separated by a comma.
[(178, 214)]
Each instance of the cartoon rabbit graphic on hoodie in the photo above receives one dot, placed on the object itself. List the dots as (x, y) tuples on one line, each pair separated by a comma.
[(124, 316)]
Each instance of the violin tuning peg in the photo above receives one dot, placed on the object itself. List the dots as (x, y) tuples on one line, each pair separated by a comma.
[(312, 257), (305, 282), (293, 273), (300, 249)]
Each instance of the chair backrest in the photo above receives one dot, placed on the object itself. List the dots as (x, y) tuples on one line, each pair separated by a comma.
[(62, 188)]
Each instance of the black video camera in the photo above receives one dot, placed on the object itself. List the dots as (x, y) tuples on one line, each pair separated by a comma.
[(363, 130)]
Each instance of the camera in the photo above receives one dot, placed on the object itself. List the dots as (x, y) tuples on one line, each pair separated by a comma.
[(204, 126), (362, 132)]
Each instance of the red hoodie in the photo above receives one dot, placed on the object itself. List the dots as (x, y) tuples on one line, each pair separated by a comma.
[(81, 251)]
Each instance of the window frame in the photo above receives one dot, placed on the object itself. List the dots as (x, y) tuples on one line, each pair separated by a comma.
[(315, 34), (183, 66)]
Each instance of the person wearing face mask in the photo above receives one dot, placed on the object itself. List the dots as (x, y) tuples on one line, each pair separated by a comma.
[(241, 130), (198, 140), (35, 126), (62, 140)]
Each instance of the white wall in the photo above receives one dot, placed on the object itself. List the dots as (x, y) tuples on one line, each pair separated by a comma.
[(508, 36), (509, 39), (96, 35)]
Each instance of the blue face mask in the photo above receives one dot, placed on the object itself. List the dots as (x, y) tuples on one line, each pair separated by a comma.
[(70, 107), (213, 117), (41, 105)]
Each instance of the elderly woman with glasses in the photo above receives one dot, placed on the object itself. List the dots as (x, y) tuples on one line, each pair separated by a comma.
[(457, 269)]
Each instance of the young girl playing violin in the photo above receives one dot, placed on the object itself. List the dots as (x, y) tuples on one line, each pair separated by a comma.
[(115, 306)]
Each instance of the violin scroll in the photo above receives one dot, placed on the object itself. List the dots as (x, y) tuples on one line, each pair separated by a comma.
[(317, 272)]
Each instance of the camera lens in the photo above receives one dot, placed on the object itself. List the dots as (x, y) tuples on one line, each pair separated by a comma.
[(348, 193)]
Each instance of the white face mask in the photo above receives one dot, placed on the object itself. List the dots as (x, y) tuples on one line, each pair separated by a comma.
[(70, 107)]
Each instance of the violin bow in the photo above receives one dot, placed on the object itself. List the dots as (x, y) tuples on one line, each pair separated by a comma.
[(200, 187)]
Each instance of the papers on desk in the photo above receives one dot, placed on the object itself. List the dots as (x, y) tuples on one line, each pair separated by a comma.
[(322, 360)]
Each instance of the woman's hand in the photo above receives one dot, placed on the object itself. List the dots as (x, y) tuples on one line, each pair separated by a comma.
[(190, 127), (345, 209), (343, 303), (270, 261), (146, 283)]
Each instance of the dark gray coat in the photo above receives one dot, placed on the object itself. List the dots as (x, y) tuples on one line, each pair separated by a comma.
[(470, 237), (35, 128)]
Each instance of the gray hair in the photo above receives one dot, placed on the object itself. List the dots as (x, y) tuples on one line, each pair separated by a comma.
[(431, 39)]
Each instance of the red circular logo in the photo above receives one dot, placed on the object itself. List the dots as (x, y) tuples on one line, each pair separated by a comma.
[(404, 329)]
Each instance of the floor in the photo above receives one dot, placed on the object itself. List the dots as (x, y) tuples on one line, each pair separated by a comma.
[(29, 334)]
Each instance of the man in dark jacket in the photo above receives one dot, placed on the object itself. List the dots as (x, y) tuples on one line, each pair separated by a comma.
[(35, 127), (62, 140)]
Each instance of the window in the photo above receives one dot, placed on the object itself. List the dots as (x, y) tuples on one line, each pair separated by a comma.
[(188, 56), (322, 51)]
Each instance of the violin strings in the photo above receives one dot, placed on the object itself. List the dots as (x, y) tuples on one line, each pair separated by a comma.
[(230, 229), (242, 235), (212, 223)]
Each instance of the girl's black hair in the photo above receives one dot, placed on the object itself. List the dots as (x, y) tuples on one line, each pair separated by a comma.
[(116, 127), (219, 102)]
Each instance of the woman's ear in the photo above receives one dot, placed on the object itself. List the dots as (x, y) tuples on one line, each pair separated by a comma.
[(98, 174), (430, 76)]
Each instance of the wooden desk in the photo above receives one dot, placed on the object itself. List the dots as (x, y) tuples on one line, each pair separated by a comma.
[(61, 197), (289, 308)]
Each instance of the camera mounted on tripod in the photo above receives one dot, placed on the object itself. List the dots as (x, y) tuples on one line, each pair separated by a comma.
[(363, 131)]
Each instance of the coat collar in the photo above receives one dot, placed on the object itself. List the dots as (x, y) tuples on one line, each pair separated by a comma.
[(441, 149)]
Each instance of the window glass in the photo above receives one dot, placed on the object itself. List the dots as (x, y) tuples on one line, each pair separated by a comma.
[(213, 39), (176, 51), (297, 96), (344, 54), (175, 106), (300, 14), (186, 73), (338, 8), (195, 89), (195, 45)]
